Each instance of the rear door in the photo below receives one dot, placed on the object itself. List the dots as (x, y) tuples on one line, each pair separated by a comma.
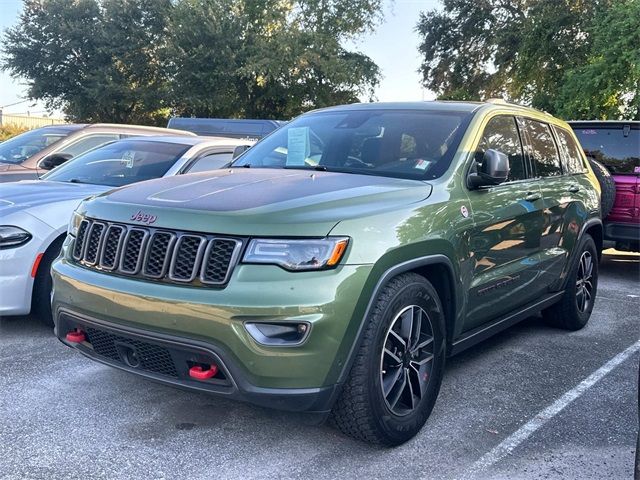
[(505, 238), (565, 190)]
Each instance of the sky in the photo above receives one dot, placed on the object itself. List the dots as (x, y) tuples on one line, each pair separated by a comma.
[(393, 46)]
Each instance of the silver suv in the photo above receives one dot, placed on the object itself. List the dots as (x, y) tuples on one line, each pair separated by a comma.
[(29, 155)]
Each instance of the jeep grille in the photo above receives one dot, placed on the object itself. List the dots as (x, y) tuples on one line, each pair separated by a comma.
[(156, 254)]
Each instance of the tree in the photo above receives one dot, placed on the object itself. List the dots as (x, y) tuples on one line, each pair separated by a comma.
[(97, 61), (204, 47), (608, 85), (139, 60), (270, 58), (517, 49)]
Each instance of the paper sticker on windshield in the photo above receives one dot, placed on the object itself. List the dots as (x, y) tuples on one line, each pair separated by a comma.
[(421, 164), (127, 158), (298, 145)]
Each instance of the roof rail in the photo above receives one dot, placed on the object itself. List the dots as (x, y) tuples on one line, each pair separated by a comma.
[(500, 101)]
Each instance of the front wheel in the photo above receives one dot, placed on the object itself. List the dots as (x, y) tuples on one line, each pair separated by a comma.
[(572, 312), (396, 376)]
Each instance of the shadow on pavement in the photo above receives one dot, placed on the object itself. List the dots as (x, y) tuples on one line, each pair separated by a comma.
[(27, 325), (621, 265)]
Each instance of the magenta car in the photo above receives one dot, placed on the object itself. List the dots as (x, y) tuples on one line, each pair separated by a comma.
[(616, 146)]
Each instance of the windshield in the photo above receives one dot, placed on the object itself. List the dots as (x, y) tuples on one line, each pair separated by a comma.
[(120, 163), (393, 143), (610, 146), (21, 147)]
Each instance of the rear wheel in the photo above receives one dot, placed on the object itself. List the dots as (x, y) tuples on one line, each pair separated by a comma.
[(41, 299), (572, 312), (396, 376)]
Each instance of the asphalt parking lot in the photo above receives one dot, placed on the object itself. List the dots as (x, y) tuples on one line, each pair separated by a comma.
[(533, 402)]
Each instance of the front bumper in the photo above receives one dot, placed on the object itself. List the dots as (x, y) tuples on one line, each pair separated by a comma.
[(203, 321), (166, 359), (16, 264), (16, 282)]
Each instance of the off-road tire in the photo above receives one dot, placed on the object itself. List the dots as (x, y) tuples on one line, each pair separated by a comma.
[(361, 411), (607, 186), (41, 298), (566, 313)]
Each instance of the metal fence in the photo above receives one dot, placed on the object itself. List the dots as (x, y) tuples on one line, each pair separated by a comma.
[(27, 121)]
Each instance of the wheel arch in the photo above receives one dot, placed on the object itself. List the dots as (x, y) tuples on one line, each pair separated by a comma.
[(596, 230), (48, 250), (592, 227), (432, 267)]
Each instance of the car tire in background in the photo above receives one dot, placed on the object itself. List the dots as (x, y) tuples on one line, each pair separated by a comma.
[(607, 186), (397, 372), (572, 312), (41, 299)]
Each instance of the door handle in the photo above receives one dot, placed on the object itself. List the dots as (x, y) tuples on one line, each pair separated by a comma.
[(533, 196), (573, 188)]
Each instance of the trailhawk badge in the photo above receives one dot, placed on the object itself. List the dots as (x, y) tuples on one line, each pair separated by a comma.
[(142, 217)]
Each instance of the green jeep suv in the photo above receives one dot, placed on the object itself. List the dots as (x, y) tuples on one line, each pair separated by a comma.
[(337, 263)]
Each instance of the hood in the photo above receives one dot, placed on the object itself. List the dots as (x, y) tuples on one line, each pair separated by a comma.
[(245, 201), (42, 194)]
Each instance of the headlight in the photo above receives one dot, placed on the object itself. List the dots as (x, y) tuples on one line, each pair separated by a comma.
[(74, 223), (297, 255), (11, 237)]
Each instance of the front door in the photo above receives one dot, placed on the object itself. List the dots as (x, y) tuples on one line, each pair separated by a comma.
[(505, 239)]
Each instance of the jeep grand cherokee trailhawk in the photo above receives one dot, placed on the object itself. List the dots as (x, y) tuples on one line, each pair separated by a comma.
[(337, 263)]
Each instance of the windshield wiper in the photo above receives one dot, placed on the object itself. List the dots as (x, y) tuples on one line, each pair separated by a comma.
[(75, 180), (319, 168)]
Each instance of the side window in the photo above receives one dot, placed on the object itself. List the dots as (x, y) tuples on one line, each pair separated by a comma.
[(87, 143), (211, 161), (570, 151), (542, 149), (501, 133)]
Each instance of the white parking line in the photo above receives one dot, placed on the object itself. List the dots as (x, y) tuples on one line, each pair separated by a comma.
[(510, 443)]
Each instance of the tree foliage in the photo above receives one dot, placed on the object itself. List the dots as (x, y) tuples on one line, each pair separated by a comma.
[(136, 60), (270, 58), (95, 61), (530, 51), (608, 85)]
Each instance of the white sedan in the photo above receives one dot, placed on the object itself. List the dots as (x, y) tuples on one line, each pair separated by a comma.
[(34, 214)]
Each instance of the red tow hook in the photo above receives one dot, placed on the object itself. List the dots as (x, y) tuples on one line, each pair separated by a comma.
[(76, 336), (201, 373)]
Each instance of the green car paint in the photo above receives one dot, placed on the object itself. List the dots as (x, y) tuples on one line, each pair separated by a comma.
[(488, 251)]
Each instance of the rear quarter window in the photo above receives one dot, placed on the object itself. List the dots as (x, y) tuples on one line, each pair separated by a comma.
[(570, 152)]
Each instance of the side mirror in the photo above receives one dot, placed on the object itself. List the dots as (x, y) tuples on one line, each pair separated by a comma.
[(239, 150), (493, 170), (54, 160)]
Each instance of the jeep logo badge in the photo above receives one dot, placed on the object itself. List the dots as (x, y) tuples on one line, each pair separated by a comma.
[(142, 217)]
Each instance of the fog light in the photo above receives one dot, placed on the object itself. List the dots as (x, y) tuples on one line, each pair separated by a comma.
[(278, 334)]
